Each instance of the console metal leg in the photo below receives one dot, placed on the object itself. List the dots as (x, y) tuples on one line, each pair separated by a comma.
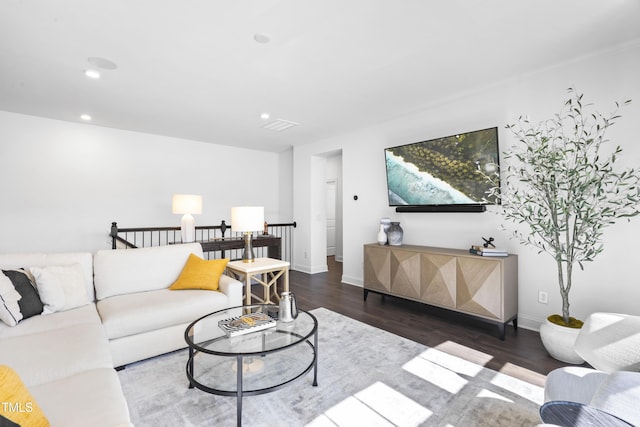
[(501, 331)]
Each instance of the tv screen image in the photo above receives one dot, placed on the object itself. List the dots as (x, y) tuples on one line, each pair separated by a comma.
[(454, 170)]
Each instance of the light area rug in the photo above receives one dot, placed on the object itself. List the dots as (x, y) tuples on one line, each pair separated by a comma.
[(366, 377)]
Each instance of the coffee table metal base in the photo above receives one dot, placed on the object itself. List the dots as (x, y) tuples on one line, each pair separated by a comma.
[(306, 361)]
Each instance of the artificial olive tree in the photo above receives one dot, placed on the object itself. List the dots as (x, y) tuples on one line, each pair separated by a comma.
[(563, 183)]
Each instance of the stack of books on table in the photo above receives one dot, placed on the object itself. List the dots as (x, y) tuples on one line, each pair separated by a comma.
[(245, 324), (482, 251)]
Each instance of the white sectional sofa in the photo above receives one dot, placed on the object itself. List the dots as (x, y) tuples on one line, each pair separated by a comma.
[(67, 358)]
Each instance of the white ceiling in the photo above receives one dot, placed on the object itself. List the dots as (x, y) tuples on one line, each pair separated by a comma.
[(192, 69)]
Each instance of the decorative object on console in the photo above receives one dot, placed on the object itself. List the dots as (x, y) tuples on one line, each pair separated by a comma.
[(188, 205), (385, 223), (484, 251), (382, 236), (488, 242), (246, 220), (395, 234), (559, 184)]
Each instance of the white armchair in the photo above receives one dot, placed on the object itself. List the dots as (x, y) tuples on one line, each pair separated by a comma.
[(610, 342), (615, 394), (610, 393)]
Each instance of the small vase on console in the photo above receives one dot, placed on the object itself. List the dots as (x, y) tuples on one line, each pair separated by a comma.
[(382, 236), (385, 223), (395, 234)]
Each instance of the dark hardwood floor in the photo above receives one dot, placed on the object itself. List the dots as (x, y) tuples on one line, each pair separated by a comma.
[(521, 354)]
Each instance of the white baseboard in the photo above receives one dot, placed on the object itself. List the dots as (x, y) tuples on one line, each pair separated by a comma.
[(530, 323), (310, 270), (349, 280)]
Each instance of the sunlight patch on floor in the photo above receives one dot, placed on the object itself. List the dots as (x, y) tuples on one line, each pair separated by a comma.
[(435, 374), (377, 405), (464, 352), (524, 374), (453, 363), (491, 395), (517, 386)]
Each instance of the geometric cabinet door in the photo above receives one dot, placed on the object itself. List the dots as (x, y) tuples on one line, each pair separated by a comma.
[(479, 287), (405, 273), (377, 265), (438, 273)]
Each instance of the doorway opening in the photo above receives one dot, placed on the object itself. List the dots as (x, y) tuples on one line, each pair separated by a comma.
[(333, 206)]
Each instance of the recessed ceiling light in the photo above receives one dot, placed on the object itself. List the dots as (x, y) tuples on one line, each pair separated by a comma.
[(103, 63), (92, 74), (264, 116), (86, 117), (262, 38)]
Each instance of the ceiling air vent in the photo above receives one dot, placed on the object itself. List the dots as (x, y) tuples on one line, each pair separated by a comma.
[(279, 125)]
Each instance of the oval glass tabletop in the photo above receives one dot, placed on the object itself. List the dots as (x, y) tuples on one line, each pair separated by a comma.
[(205, 335)]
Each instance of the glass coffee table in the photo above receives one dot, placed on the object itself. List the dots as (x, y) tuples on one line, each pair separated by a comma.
[(254, 363)]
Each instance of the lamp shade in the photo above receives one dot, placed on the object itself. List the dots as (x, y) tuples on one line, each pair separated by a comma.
[(247, 218), (186, 204)]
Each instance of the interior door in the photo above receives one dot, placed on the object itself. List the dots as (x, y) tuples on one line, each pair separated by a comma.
[(331, 217)]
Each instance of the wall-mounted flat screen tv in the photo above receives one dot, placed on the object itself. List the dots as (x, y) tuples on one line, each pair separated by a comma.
[(451, 172)]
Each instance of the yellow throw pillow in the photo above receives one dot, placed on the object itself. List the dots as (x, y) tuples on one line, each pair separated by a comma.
[(16, 403), (200, 273)]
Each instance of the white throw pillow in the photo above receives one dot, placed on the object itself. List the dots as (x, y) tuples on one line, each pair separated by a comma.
[(60, 287)]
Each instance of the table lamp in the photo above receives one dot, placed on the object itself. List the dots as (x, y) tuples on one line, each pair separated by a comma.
[(187, 204), (246, 220)]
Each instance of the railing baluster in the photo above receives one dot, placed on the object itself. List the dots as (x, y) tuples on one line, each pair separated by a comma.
[(129, 237)]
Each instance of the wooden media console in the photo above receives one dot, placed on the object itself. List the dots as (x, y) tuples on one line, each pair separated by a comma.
[(454, 279)]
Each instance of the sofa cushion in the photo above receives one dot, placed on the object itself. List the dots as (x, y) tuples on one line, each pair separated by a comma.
[(200, 273), (26, 260), (140, 312), (16, 402), (123, 271), (18, 297), (89, 398), (62, 319), (61, 287), (48, 356)]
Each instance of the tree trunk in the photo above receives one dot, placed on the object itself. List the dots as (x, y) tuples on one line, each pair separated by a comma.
[(564, 289)]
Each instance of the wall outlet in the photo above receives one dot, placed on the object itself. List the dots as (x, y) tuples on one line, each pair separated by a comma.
[(543, 297)]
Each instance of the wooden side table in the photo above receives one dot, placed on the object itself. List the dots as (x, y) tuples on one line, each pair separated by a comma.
[(266, 272)]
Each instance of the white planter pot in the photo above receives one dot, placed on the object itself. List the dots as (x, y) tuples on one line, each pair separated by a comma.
[(559, 341)]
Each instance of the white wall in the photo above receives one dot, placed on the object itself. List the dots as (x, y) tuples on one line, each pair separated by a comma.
[(609, 283), (62, 184)]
